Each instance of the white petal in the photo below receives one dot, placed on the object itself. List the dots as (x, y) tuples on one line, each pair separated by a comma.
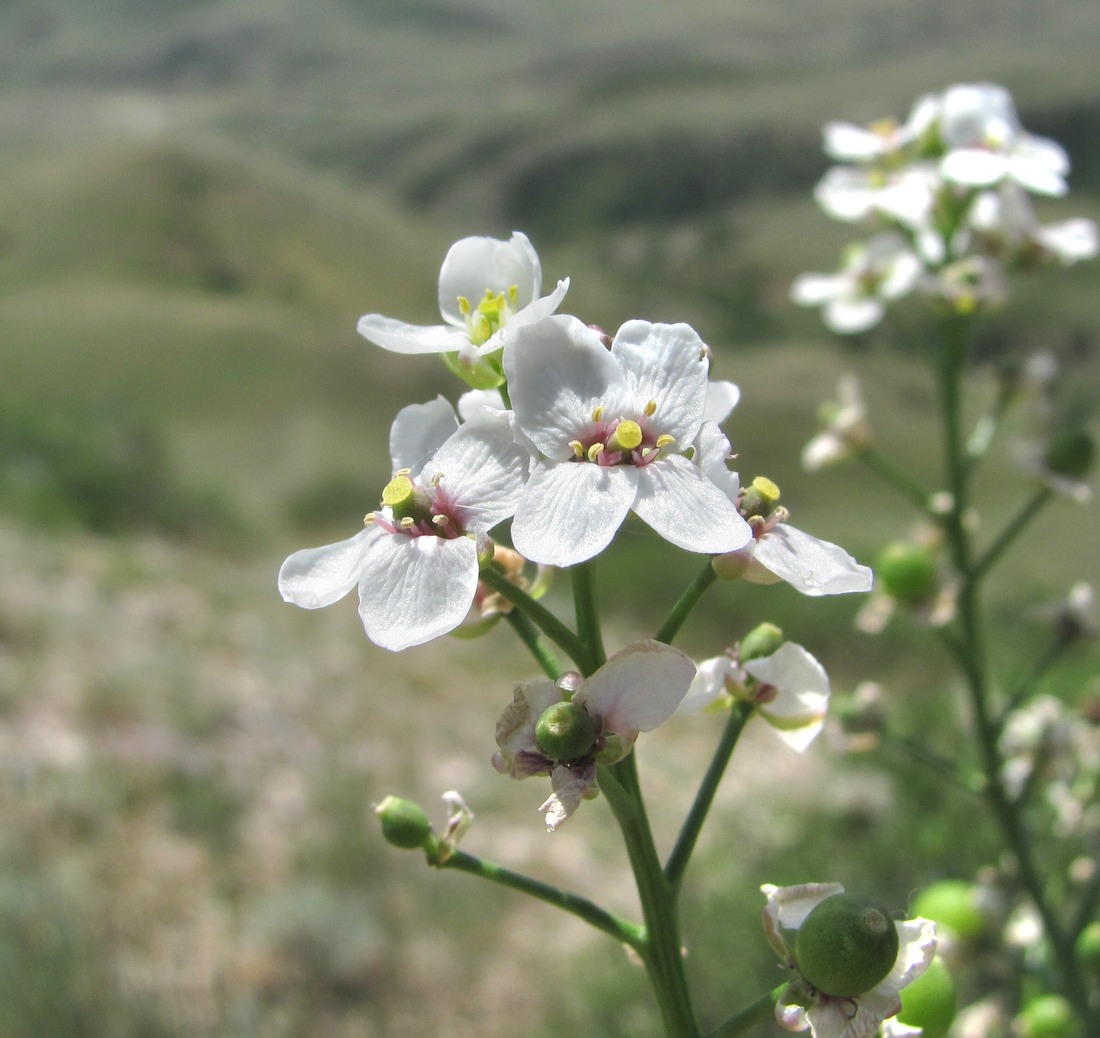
[(722, 398), (666, 364), (1036, 176), (474, 400), (798, 711), (481, 469), (418, 431), (558, 373), (707, 685), (570, 787), (787, 908), (812, 566), (570, 511), (638, 688), (317, 577), (1070, 240), (415, 589), (474, 265), (848, 316), (530, 314), (974, 167), (845, 193), (400, 337), (712, 452), (847, 142), (687, 509), (816, 289)]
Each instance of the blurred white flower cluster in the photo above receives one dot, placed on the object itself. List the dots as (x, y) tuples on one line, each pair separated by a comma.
[(947, 198)]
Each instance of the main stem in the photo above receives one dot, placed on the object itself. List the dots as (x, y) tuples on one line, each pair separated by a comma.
[(662, 951), (973, 660)]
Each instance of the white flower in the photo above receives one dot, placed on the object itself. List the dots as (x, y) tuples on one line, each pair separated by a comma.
[(416, 563), (1006, 223), (847, 428), (777, 550), (484, 285), (905, 195), (610, 426), (830, 1017), (634, 691), (875, 272), (986, 144), (790, 688), (883, 140)]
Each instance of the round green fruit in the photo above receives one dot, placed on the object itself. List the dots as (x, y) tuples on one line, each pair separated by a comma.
[(952, 903), (930, 1001), (565, 731), (907, 572), (1048, 1016), (1088, 946), (404, 823), (846, 945)]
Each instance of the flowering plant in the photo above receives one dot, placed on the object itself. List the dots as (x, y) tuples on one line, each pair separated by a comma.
[(569, 430)]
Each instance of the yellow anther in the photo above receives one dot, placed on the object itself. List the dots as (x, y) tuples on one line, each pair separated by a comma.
[(651, 408), (513, 295), (595, 451), (402, 472), (626, 437), (664, 440), (369, 518), (464, 307), (578, 448), (437, 479), (407, 523), (441, 520), (597, 415)]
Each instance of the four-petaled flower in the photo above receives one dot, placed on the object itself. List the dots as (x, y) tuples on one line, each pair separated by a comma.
[(634, 691), (789, 687), (612, 425), (828, 1016), (416, 563), (485, 285)]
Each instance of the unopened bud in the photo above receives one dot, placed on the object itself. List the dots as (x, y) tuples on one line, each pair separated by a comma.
[(762, 640), (404, 823), (846, 945)]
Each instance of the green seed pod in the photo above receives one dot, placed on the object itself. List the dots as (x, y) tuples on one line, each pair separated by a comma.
[(1070, 453), (907, 571), (565, 731), (953, 904), (1048, 1016), (930, 1001), (404, 823), (846, 945)]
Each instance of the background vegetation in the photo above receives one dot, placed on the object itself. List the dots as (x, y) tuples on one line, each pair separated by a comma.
[(199, 199)]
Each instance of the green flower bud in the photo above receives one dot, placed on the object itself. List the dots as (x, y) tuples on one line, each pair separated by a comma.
[(565, 731), (1088, 947), (907, 572), (953, 904), (930, 1001), (846, 945), (1048, 1016), (762, 640), (404, 823), (1070, 453)]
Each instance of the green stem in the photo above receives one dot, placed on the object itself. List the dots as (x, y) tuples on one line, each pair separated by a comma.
[(551, 626), (662, 951), (686, 603), (973, 660), (756, 1013), (1012, 530), (677, 862), (621, 930), (528, 633), (588, 617), (896, 477)]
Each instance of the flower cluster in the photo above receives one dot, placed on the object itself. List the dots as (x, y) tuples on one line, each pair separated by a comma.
[(947, 196), (566, 431)]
